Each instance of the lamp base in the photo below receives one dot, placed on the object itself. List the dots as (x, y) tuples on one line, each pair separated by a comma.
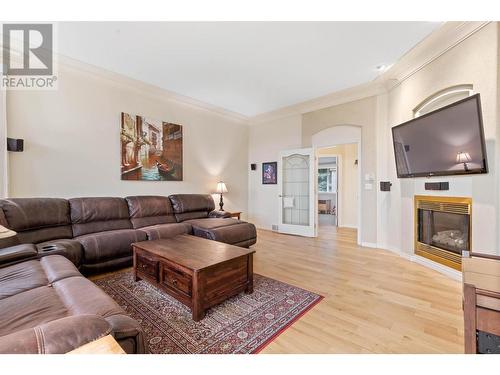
[(221, 203)]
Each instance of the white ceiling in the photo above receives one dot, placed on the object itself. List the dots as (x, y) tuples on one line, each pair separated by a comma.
[(244, 67)]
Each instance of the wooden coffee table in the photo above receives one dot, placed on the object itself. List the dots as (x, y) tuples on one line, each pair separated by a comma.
[(197, 272)]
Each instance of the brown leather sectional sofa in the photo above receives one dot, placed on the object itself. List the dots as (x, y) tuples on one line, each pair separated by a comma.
[(97, 233), (46, 305)]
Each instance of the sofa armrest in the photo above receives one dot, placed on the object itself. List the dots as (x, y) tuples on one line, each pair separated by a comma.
[(9, 255), (128, 333), (219, 214), (57, 337)]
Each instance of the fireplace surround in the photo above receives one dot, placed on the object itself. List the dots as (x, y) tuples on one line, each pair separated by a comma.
[(443, 228)]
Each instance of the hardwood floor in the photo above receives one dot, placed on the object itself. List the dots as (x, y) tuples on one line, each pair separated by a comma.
[(375, 301)]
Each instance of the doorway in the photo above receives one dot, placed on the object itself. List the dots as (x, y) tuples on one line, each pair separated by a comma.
[(337, 181), (328, 172)]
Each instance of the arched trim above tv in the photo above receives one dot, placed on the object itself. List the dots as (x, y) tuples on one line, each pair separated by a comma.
[(442, 98)]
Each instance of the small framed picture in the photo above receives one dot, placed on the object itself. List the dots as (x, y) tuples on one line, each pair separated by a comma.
[(270, 173)]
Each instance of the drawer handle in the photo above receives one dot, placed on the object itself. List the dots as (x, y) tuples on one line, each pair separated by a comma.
[(174, 281)]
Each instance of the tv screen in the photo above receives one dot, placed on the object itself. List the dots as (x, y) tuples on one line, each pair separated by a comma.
[(448, 141)]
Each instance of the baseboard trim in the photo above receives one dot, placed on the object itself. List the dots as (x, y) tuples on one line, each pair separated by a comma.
[(454, 274), (369, 244), (348, 226), (392, 249)]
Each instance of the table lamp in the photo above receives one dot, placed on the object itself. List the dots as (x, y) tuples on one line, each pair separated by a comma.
[(221, 189), (464, 157)]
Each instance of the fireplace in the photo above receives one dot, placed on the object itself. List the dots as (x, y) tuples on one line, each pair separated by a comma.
[(443, 228)]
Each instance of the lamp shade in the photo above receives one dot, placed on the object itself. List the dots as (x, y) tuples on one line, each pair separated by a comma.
[(463, 157), (5, 232), (221, 187)]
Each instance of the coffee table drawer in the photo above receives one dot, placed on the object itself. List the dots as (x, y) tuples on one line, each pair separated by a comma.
[(147, 266), (176, 279)]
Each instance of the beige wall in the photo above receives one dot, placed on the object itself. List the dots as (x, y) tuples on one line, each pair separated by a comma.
[(474, 61), (387, 217), (360, 113), (265, 141), (72, 143), (348, 183)]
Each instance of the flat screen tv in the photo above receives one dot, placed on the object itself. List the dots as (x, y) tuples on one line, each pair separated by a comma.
[(447, 141)]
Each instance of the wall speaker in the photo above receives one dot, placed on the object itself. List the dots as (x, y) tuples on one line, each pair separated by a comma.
[(437, 186), (253, 167), (16, 145), (385, 185)]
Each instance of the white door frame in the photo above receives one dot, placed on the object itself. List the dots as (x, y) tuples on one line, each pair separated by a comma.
[(340, 135), (300, 230)]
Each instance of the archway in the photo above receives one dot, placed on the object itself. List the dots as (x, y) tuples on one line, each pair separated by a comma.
[(342, 135)]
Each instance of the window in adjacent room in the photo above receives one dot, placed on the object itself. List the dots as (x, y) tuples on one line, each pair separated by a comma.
[(327, 180)]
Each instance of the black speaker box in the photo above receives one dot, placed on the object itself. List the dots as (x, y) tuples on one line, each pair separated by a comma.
[(437, 186), (385, 185), (16, 145), (253, 167)]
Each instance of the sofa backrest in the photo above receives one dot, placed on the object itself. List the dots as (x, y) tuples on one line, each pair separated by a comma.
[(191, 206), (35, 219), (150, 210), (90, 215)]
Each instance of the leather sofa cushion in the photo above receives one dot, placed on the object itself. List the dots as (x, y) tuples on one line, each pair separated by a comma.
[(81, 296), (101, 246), (33, 274), (57, 268), (19, 252), (191, 206), (45, 234), (30, 308), (35, 219), (212, 223), (20, 277), (34, 213), (231, 231), (90, 215), (38, 292), (150, 210), (233, 234), (157, 232), (56, 337)]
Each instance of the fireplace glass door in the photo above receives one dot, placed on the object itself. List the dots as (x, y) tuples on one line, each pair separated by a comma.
[(445, 230)]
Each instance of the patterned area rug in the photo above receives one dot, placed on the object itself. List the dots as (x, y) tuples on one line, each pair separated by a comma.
[(242, 324)]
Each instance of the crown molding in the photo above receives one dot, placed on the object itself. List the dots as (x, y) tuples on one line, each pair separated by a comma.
[(446, 37), (436, 44), (351, 94), (146, 89)]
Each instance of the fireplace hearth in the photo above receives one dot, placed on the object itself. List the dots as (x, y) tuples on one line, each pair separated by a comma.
[(443, 228)]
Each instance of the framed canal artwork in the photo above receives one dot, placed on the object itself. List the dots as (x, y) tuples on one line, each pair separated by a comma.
[(151, 150)]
